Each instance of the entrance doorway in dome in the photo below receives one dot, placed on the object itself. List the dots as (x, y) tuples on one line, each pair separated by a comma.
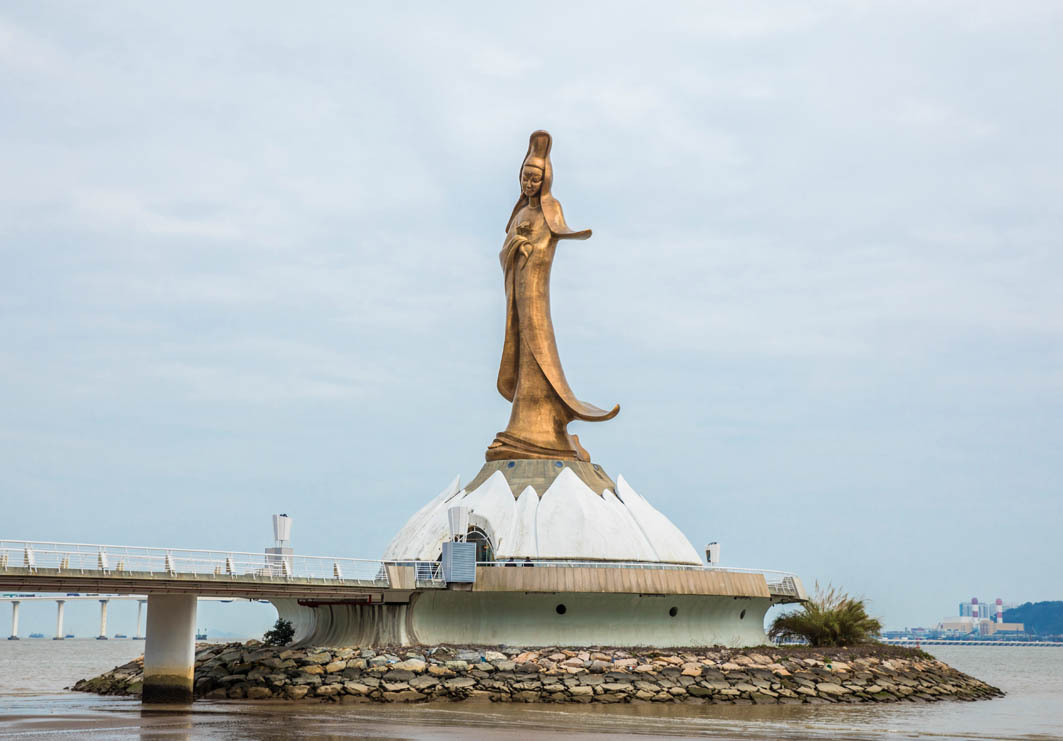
[(484, 550)]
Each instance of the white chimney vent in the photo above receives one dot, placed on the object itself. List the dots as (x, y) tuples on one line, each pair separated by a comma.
[(712, 553), (458, 518), (282, 529)]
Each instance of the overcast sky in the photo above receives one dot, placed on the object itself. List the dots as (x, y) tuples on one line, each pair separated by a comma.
[(250, 266)]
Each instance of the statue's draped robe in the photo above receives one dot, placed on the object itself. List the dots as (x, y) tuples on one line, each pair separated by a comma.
[(530, 374)]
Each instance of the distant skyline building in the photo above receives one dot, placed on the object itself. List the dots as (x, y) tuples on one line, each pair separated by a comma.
[(975, 616)]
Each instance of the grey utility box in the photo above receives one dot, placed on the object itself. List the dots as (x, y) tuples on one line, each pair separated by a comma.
[(459, 562)]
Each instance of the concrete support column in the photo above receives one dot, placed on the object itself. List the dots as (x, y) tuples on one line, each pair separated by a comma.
[(140, 613), (103, 620), (60, 605), (14, 621), (170, 648)]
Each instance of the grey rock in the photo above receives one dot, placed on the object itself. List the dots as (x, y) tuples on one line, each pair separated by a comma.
[(459, 682)]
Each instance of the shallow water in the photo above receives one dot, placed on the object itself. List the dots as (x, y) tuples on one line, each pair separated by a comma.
[(32, 703)]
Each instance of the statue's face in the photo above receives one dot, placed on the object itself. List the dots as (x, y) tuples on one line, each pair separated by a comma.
[(531, 180)]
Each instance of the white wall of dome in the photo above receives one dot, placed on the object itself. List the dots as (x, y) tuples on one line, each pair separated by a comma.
[(569, 521)]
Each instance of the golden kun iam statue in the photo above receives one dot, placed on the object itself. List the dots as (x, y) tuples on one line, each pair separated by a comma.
[(530, 374)]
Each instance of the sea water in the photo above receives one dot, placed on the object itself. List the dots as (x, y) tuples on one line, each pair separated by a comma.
[(33, 702)]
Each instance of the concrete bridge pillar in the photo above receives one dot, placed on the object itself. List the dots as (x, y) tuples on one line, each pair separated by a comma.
[(14, 621), (140, 613), (170, 648), (103, 620), (60, 605)]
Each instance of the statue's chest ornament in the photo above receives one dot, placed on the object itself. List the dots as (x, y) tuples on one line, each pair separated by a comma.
[(524, 246)]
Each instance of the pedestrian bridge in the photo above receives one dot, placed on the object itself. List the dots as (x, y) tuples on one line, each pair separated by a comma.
[(173, 578), (82, 567)]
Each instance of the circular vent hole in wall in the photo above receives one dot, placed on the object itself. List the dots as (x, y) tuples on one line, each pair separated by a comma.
[(560, 609)]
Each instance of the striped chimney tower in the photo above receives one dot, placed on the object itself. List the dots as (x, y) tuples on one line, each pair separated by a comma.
[(1000, 610)]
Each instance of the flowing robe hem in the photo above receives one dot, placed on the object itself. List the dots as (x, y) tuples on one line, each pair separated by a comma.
[(541, 350)]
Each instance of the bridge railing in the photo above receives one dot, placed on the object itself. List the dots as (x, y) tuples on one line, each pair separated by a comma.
[(116, 560)]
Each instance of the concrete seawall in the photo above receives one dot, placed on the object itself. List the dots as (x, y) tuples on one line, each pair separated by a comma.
[(762, 675)]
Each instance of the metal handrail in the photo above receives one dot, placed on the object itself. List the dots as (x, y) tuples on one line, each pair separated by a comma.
[(429, 574), (118, 559), (110, 559), (8, 544)]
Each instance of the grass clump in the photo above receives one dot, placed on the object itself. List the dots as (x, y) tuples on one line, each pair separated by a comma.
[(830, 618)]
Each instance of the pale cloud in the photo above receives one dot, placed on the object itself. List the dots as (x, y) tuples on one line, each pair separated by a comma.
[(22, 52), (104, 210), (249, 252), (938, 116)]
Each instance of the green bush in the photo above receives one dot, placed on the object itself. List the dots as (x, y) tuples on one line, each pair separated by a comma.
[(281, 634), (830, 618)]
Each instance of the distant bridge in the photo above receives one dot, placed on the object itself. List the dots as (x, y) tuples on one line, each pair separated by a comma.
[(965, 642), (16, 601)]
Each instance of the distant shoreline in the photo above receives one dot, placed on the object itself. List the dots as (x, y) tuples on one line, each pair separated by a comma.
[(917, 642)]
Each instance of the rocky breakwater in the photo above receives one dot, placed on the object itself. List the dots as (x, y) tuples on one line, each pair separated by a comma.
[(697, 676)]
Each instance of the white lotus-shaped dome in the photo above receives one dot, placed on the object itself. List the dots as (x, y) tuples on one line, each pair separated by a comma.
[(569, 521)]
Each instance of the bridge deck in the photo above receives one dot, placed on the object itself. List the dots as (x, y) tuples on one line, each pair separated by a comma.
[(244, 585)]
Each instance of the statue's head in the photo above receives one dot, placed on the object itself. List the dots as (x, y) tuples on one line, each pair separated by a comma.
[(536, 180), (534, 170), (531, 179)]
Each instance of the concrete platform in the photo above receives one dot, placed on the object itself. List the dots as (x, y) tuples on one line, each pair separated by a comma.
[(555, 606)]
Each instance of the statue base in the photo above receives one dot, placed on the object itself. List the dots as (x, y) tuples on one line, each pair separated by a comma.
[(508, 447)]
